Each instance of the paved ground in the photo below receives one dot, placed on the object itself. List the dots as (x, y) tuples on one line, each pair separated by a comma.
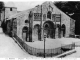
[(10, 49), (74, 55), (50, 43), (53, 43)]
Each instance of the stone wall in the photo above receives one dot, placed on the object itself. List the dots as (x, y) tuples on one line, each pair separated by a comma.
[(21, 23), (8, 13), (72, 27), (22, 16)]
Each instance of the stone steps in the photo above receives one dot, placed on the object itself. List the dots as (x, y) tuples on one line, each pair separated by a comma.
[(66, 53)]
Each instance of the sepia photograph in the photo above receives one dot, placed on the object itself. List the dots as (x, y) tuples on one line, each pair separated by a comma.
[(40, 29)]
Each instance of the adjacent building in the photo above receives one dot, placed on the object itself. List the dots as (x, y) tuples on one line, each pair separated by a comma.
[(8, 10)]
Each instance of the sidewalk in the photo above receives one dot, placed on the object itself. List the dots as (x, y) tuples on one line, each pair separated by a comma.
[(10, 49), (74, 55)]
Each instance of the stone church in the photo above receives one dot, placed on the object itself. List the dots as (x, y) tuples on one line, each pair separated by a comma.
[(45, 19)]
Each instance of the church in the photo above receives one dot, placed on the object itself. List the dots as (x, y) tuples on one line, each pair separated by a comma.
[(45, 19)]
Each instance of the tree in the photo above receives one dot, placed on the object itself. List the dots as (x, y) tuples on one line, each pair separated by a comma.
[(1, 9), (69, 6), (1, 5)]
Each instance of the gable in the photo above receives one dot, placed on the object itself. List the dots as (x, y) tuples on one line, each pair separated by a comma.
[(46, 6)]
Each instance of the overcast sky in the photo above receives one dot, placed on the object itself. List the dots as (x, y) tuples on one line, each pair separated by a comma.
[(26, 5)]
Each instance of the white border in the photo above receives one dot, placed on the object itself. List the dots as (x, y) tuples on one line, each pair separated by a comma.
[(45, 58)]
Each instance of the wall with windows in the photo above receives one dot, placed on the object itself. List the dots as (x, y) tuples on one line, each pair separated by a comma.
[(10, 11), (52, 13), (22, 21)]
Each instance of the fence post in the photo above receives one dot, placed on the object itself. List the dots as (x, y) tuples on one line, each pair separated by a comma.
[(51, 52), (74, 45)]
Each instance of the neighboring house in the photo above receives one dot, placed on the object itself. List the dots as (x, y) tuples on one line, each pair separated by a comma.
[(56, 24), (8, 10)]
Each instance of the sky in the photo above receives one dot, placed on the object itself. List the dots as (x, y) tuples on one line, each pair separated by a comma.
[(21, 5), (27, 5)]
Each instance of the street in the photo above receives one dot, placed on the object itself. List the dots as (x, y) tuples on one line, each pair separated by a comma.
[(10, 49)]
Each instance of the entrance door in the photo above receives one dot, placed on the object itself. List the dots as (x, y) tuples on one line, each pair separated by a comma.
[(36, 32), (56, 35), (25, 34), (49, 29), (63, 30)]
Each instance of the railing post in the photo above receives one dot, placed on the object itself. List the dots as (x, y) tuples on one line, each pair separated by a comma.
[(30, 26), (51, 52), (74, 45), (44, 45)]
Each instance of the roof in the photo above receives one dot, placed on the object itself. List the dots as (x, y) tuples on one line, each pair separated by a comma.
[(26, 12)]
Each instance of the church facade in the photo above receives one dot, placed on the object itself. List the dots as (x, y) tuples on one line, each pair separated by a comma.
[(45, 19)]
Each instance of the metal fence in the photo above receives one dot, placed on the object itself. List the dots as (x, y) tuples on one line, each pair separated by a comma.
[(48, 52), (74, 36)]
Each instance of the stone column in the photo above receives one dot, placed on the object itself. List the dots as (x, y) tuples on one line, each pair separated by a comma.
[(30, 25)]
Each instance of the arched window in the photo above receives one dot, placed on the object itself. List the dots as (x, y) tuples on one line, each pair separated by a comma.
[(25, 33), (63, 30), (49, 14)]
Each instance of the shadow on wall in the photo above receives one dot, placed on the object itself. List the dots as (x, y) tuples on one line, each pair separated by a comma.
[(76, 17), (77, 27)]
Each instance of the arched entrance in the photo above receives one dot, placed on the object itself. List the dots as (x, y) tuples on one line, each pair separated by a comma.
[(63, 30), (37, 31), (57, 32), (49, 29), (25, 33)]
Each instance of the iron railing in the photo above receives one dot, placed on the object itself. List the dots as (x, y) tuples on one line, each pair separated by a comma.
[(48, 52)]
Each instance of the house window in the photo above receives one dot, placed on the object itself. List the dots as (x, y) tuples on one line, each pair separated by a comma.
[(10, 9)]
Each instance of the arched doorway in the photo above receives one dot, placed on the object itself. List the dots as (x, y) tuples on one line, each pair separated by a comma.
[(25, 33), (37, 31), (49, 29), (63, 30), (57, 32)]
